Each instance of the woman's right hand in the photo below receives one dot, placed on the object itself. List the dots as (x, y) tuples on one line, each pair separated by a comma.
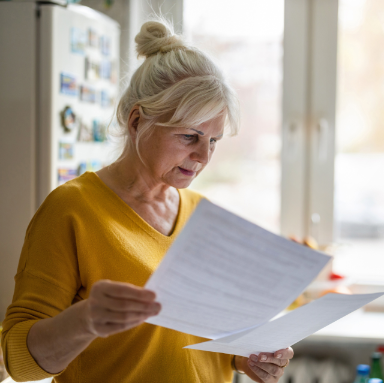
[(113, 307)]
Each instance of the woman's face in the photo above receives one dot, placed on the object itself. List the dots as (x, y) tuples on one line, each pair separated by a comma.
[(175, 156)]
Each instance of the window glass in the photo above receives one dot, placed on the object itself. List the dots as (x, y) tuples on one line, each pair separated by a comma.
[(246, 39), (359, 166)]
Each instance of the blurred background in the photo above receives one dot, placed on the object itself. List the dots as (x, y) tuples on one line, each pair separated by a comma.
[(308, 162)]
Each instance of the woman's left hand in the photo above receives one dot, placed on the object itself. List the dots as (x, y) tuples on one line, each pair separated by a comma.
[(265, 367)]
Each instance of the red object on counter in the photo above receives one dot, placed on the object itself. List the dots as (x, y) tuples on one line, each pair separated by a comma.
[(334, 276)]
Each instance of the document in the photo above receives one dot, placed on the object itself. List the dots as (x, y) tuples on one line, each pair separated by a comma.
[(224, 275), (290, 328)]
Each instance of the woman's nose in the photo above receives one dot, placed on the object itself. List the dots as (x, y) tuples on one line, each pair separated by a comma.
[(202, 153)]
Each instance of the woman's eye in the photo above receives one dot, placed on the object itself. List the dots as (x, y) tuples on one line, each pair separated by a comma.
[(193, 137)]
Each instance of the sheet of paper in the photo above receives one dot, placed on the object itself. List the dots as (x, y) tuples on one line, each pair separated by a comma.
[(290, 328), (224, 274)]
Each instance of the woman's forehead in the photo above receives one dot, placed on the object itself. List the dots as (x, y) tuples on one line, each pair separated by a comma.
[(213, 127)]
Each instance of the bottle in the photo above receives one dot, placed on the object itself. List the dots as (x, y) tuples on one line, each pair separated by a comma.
[(362, 373), (376, 371), (375, 380)]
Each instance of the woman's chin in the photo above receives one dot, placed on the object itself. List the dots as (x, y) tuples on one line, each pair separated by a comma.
[(181, 183)]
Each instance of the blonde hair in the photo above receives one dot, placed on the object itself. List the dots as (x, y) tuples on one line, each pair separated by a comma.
[(174, 80)]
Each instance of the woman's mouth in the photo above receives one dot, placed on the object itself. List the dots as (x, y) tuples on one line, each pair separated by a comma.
[(186, 172)]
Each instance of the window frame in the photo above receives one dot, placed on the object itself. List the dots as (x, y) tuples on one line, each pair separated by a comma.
[(308, 123)]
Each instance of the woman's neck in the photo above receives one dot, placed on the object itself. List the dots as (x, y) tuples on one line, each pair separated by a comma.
[(131, 177)]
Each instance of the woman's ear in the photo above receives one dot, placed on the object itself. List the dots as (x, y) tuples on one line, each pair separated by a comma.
[(133, 122)]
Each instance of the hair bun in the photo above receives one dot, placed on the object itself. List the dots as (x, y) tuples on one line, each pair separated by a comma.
[(155, 37)]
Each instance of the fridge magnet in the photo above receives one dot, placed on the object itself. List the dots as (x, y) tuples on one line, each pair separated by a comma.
[(105, 100), (85, 133), (92, 69), (89, 166), (68, 119), (99, 131), (82, 168), (65, 175), (105, 45), (96, 165), (105, 69), (78, 40), (87, 94), (68, 84), (65, 151), (93, 38)]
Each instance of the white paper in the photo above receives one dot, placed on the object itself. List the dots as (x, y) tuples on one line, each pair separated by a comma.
[(290, 328), (224, 274)]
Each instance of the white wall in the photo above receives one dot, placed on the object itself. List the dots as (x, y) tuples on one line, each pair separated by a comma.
[(17, 137)]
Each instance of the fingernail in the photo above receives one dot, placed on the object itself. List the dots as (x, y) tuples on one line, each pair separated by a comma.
[(251, 364), (254, 358), (278, 356), (263, 358)]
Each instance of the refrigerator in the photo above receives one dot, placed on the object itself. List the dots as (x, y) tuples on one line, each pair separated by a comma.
[(59, 84)]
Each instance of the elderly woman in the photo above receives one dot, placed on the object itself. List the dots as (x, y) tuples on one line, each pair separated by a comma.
[(79, 306)]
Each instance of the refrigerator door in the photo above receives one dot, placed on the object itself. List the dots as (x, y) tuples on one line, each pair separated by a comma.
[(78, 88)]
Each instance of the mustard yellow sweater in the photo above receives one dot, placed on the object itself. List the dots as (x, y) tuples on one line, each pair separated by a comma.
[(84, 232)]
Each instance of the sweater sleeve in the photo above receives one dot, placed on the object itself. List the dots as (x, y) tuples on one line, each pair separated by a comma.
[(46, 282)]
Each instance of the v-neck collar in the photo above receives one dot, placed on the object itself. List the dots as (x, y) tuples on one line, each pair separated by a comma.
[(125, 208)]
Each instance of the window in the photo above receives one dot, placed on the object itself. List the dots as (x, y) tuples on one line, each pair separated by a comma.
[(359, 163), (246, 38), (312, 132)]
